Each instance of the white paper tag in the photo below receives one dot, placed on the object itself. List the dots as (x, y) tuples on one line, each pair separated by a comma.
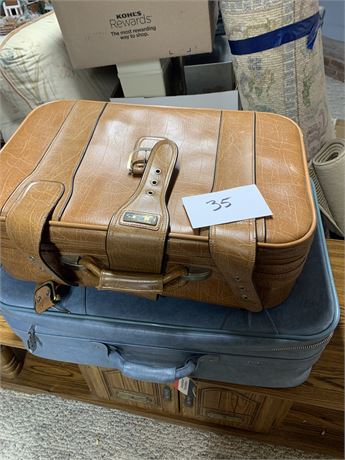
[(229, 205), (183, 385)]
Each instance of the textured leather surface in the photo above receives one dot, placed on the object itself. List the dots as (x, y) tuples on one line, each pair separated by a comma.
[(135, 245), (137, 283), (26, 220), (42, 299), (130, 283), (144, 284), (283, 179), (233, 245), (63, 156), (86, 147), (45, 296), (116, 135), (26, 148)]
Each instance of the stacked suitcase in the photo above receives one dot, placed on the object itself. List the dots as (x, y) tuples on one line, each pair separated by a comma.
[(172, 338)]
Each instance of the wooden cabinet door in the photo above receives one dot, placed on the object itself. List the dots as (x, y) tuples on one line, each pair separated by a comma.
[(225, 405), (111, 385)]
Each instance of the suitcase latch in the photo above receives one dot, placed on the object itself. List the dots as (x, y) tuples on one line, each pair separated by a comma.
[(45, 296), (137, 161)]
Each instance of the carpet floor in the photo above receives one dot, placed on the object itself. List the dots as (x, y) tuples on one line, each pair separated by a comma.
[(41, 427)]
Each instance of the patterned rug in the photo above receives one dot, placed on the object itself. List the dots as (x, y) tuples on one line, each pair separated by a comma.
[(288, 79)]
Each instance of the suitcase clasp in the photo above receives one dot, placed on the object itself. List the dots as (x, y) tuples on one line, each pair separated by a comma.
[(139, 157), (197, 274), (137, 160), (45, 296)]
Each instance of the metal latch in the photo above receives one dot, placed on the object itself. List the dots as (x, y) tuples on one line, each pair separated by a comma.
[(197, 274), (137, 161)]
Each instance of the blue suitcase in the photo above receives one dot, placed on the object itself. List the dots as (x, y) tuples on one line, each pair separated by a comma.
[(172, 338)]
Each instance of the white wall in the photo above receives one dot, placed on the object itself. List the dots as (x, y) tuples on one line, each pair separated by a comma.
[(334, 24)]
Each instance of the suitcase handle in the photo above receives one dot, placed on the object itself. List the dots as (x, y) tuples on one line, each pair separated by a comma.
[(146, 372), (131, 281)]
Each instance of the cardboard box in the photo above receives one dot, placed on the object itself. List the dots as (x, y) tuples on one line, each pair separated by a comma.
[(227, 100), (212, 72), (104, 32), (146, 78)]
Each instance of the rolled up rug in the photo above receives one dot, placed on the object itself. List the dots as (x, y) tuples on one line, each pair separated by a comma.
[(278, 62), (327, 170)]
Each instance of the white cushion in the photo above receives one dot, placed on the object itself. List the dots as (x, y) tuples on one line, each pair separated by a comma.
[(35, 68)]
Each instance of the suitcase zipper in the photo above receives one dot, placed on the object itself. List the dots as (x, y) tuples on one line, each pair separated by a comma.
[(306, 347), (32, 340)]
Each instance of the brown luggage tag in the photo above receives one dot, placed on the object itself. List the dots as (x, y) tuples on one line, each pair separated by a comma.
[(46, 296)]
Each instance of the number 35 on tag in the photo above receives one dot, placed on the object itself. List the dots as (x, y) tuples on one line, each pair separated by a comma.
[(229, 205)]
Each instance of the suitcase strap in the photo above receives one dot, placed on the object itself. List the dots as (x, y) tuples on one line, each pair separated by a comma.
[(26, 220), (233, 245), (44, 193), (136, 239)]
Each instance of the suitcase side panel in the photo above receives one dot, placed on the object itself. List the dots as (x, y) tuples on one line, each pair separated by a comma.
[(145, 363), (283, 179)]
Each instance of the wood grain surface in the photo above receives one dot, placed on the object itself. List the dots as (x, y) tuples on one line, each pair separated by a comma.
[(305, 427), (9, 362), (8, 337)]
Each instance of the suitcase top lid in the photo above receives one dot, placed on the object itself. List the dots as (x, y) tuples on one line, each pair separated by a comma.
[(90, 143)]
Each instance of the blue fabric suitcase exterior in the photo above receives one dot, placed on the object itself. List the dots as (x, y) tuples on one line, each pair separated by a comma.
[(171, 338)]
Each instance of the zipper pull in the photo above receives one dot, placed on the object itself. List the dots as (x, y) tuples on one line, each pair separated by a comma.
[(32, 339)]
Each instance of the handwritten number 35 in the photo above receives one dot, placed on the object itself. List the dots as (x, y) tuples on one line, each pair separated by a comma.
[(224, 203)]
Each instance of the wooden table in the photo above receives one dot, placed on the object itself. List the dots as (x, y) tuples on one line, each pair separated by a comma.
[(310, 416)]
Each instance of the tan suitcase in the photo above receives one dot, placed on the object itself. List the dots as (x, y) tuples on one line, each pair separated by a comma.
[(91, 193)]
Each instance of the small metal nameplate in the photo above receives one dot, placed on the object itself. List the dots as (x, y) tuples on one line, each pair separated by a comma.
[(140, 218)]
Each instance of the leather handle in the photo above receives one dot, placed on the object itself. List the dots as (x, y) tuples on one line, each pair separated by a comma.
[(146, 371), (133, 282)]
